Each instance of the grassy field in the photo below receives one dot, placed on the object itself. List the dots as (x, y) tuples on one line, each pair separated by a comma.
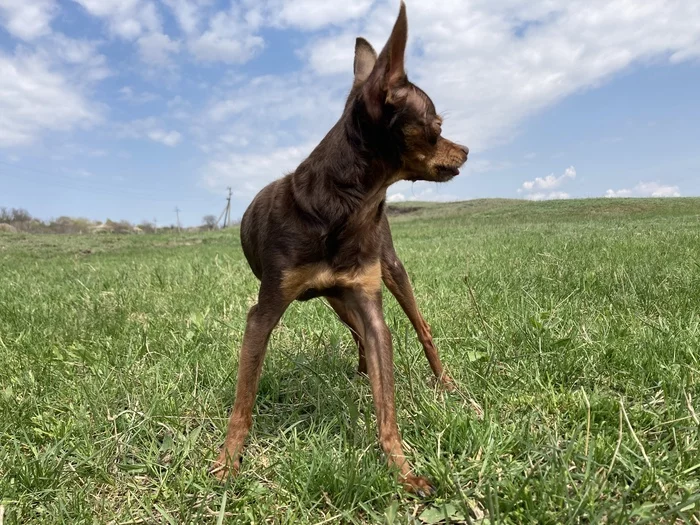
[(572, 329)]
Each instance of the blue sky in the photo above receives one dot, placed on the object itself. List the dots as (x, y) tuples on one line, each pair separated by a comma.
[(125, 109)]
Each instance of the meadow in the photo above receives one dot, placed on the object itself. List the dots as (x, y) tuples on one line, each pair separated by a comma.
[(572, 329)]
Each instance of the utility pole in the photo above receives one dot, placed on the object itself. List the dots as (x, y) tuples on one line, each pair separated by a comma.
[(177, 212), (227, 213)]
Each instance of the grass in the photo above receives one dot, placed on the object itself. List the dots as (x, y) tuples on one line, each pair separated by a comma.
[(572, 328)]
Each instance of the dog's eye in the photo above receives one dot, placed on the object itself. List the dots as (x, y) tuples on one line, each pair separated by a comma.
[(434, 133)]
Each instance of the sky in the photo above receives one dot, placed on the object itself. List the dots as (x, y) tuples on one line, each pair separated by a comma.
[(128, 109)]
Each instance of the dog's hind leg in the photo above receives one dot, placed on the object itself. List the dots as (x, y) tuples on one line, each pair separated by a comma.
[(396, 280), (353, 324), (262, 319)]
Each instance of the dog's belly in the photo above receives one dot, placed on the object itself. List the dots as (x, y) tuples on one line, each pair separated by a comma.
[(315, 280), (313, 293)]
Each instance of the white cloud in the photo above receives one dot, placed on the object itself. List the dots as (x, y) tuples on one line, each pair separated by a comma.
[(246, 120), (230, 37), (127, 19), (34, 98), (277, 99), (396, 197), (689, 53), (618, 193), (80, 59), (27, 19), (226, 35), (248, 173), (187, 13), (541, 188), (549, 182), (646, 189), (74, 51), (149, 128), (79, 173), (552, 195), (155, 48), (333, 55), (493, 63), (168, 138), (128, 94), (418, 191), (315, 14)]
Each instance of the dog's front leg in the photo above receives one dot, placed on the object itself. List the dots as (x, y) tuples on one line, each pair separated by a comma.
[(397, 281), (380, 368), (262, 319)]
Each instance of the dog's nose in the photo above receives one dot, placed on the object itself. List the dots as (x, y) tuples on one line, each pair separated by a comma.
[(465, 150)]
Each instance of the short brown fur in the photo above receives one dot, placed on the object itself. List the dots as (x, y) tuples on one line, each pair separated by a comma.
[(322, 231)]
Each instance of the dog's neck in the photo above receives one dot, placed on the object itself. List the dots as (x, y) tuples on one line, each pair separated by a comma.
[(351, 163)]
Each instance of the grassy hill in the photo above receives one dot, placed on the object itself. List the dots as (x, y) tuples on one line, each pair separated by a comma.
[(571, 327), (516, 210)]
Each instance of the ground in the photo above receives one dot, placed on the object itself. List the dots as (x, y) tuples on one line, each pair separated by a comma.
[(572, 329)]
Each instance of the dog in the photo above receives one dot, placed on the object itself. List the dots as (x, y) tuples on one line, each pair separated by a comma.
[(322, 231)]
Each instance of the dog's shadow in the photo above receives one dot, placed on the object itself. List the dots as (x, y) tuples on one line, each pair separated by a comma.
[(307, 389)]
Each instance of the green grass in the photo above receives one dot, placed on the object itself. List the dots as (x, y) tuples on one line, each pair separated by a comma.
[(572, 328)]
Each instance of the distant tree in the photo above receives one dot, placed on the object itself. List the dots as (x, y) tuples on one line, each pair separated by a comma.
[(123, 227), (147, 227), (21, 220), (14, 215), (20, 215), (210, 221), (70, 225)]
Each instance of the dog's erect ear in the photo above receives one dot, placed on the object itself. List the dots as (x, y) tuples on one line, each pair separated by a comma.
[(395, 49), (388, 71), (365, 58)]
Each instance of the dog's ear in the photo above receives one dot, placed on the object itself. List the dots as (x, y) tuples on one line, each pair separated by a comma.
[(395, 49), (365, 58), (388, 72)]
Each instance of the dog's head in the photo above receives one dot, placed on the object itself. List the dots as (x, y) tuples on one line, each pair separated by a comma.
[(398, 107)]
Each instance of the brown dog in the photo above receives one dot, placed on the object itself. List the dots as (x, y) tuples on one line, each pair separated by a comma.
[(322, 231)]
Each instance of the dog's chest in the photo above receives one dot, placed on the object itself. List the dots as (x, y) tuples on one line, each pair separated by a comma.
[(318, 279)]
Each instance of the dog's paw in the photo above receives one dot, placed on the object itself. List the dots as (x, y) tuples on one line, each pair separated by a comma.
[(225, 466), (419, 486), (447, 383), (443, 383)]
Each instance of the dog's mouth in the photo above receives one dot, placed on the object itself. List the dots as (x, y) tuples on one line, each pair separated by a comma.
[(445, 173)]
